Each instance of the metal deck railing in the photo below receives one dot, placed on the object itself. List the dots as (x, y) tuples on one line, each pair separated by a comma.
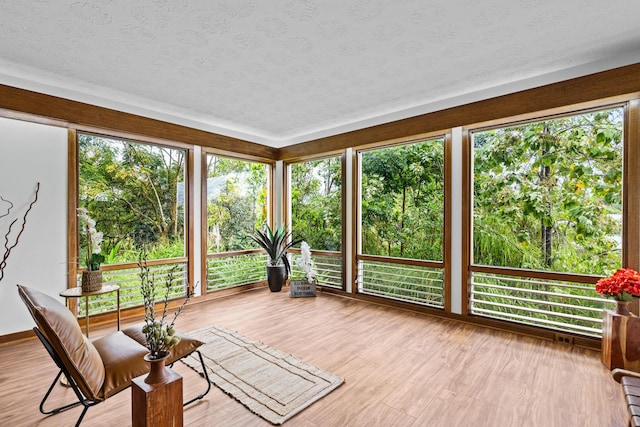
[(559, 305), (410, 283)]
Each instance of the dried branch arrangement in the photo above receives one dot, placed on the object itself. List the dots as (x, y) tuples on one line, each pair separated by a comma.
[(10, 242)]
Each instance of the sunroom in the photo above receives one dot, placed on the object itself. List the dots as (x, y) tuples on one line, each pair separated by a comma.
[(456, 247)]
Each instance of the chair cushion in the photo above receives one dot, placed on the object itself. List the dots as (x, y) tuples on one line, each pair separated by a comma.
[(186, 346), (60, 327), (123, 360)]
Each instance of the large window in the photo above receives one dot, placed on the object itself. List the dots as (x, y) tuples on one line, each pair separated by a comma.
[(547, 196), (316, 214), (402, 201), (136, 194), (237, 204)]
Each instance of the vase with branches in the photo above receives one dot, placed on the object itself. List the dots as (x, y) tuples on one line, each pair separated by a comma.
[(159, 332)]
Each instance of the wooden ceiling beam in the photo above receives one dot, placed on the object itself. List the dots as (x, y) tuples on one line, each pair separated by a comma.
[(82, 114)]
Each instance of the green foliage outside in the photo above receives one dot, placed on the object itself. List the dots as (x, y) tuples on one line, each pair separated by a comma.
[(316, 203), (135, 193), (548, 195), (403, 201), (237, 197)]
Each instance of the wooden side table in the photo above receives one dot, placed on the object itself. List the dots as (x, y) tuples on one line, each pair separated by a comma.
[(77, 293), (154, 405), (620, 341)]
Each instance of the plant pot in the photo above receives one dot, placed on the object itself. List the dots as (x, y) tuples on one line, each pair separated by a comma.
[(276, 275), (91, 281), (158, 372), (622, 308)]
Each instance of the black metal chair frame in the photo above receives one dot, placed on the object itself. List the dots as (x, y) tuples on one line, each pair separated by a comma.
[(82, 400)]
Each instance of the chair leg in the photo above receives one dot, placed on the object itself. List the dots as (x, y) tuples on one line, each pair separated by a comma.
[(64, 407), (206, 377), (84, 411), (59, 409)]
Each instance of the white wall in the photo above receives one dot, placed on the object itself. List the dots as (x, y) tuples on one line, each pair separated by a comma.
[(31, 153)]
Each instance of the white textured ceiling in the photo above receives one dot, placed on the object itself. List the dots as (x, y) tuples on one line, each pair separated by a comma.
[(285, 71)]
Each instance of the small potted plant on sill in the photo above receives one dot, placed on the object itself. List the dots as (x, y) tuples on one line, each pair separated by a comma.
[(92, 275), (307, 286), (276, 244)]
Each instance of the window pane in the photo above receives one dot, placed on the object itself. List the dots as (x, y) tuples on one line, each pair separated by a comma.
[(548, 195), (403, 201), (316, 203), (135, 193), (237, 197)]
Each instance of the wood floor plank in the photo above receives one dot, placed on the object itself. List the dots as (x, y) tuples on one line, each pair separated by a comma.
[(382, 415), (400, 368)]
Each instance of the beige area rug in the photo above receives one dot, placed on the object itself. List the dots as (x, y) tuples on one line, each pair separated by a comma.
[(270, 383)]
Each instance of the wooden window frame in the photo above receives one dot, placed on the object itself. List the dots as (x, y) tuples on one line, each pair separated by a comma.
[(445, 264), (287, 208), (73, 200), (630, 199)]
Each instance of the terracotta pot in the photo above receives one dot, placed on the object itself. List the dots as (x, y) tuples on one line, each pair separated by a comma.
[(158, 373)]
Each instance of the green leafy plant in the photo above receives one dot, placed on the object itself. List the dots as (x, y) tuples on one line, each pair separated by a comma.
[(110, 258), (276, 243), (160, 334)]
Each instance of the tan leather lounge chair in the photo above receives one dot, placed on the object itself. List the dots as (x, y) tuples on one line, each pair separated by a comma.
[(98, 369)]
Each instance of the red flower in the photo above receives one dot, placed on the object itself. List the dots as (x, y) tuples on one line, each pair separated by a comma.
[(623, 285)]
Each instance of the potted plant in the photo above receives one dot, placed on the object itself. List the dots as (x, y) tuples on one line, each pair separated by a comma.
[(307, 286), (92, 275), (619, 326), (160, 335), (276, 243), (623, 286)]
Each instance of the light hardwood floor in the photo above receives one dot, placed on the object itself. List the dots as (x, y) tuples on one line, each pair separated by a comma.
[(400, 369)]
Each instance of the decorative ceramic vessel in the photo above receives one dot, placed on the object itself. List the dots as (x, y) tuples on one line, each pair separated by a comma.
[(622, 308), (276, 275), (158, 373)]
